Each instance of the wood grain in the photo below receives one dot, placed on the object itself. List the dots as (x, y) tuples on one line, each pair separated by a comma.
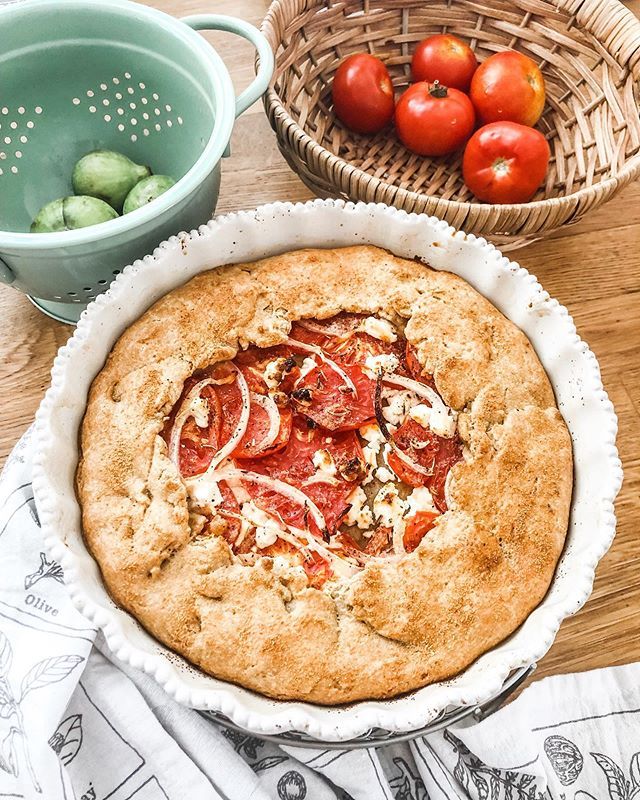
[(592, 268)]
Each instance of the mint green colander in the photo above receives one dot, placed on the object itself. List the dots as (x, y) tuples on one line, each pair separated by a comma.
[(76, 75)]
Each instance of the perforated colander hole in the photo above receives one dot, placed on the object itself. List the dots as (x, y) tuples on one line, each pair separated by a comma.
[(107, 117), (13, 125), (76, 101), (92, 109), (102, 282), (38, 109), (144, 101), (23, 139), (145, 115), (21, 109), (72, 294), (142, 86), (105, 101), (146, 131), (7, 140), (130, 89), (18, 153), (179, 120), (134, 138), (103, 86), (132, 106), (14, 169), (120, 127), (117, 271), (90, 93), (30, 124), (118, 95), (155, 96), (4, 110), (127, 75), (116, 81)]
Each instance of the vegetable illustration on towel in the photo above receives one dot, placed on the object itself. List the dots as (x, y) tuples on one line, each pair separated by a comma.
[(14, 747)]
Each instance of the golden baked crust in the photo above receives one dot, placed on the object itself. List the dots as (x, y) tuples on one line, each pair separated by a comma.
[(399, 623)]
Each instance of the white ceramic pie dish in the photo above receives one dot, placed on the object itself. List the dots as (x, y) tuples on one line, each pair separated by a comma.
[(276, 228)]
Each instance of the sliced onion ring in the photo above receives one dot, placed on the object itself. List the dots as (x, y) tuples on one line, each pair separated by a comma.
[(184, 412), (310, 348), (232, 476), (269, 405)]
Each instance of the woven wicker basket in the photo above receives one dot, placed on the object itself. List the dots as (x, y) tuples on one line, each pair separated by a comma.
[(589, 52)]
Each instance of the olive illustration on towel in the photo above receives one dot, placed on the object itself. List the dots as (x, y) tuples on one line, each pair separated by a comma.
[(565, 758)]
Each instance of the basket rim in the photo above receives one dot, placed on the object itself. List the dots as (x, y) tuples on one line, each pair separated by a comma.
[(274, 106)]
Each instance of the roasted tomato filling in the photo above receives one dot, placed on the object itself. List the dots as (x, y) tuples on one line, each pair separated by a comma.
[(321, 453)]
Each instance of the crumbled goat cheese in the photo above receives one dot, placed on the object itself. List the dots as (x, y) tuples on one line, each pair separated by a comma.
[(307, 365), (384, 475), (420, 499), (267, 528), (388, 507), (399, 403), (359, 514), (440, 419), (372, 434), (377, 365), (379, 328), (274, 372), (323, 462), (199, 410)]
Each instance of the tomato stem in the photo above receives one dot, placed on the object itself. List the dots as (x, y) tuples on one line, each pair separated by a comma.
[(438, 90)]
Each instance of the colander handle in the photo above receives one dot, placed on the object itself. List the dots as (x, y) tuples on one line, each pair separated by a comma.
[(220, 22)]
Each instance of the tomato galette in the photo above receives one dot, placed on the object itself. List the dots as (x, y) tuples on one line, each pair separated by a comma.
[(328, 475)]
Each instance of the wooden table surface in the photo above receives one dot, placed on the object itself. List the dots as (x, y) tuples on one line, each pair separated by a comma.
[(593, 269)]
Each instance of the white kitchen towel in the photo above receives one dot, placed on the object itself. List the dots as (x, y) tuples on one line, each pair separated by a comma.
[(74, 723)]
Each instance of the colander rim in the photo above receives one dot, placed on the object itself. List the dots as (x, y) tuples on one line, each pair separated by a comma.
[(214, 149)]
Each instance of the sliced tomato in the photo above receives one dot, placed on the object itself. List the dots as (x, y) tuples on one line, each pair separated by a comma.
[(254, 360), (318, 570), (416, 527), (252, 443), (380, 542), (431, 452), (323, 396), (230, 510), (294, 465)]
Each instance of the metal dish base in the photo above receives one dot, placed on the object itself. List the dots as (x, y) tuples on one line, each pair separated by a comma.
[(377, 737)]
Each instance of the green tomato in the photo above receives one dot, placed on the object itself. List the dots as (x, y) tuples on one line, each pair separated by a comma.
[(107, 175), (147, 190), (69, 213)]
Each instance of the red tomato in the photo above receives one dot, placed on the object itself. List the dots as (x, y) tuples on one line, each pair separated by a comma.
[(508, 86), (416, 527), (432, 120), (505, 162), (444, 58), (380, 542), (198, 445), (254, 360), (251, 445), (294, 465), (363, 93), (230, 510), (432, 452)]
